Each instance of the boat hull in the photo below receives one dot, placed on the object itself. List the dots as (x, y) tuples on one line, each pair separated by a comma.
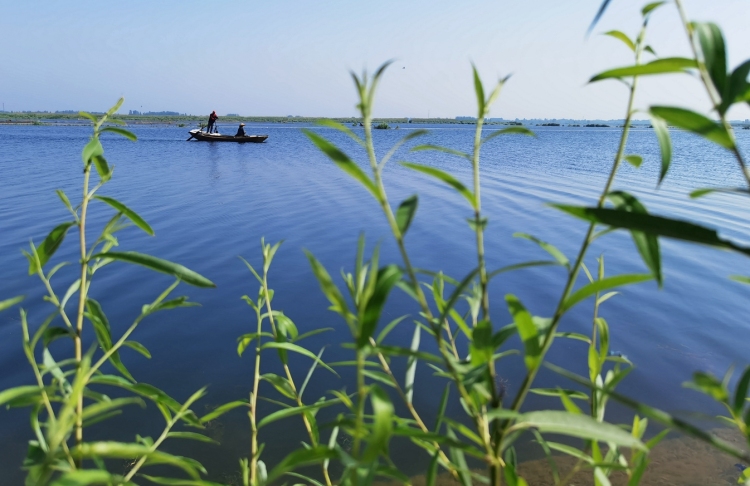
[(215, 137)]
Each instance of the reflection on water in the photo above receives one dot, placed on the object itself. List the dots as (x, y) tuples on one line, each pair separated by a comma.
[(210, 203)]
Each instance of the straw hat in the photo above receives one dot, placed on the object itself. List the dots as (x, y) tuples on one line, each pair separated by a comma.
[(242, 124)]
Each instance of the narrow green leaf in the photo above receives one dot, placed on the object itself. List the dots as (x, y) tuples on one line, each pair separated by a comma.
[(710, 385), (89, 477), (479, 91), (571, 451), (338, 303), (343, 161), (159, 265), (714, 53), (481, 347), (170, 304), (102, 168), (191, 436), (741, 392), (108, 405), (438, 148), (657, 225), (665, 144), (551, 249), (526, 330), (380, 434), (658, 66), (623, 37), (645, 11), (92, 149), (115, 107), (219, 411), (743, 191), (55, 333), (121, 131), (385, 280), (301, 457), (138, 347), (290, 412), (177, 482), (738, 89), (405, 213), (432, 469), (310, 372), (343, 129), (411, 366), (445, 177), (575, 425), (297, 349), (103, 334), (556, 392), (695, 123), (387, 329), (657, 415), (634, 160), (129, 213), (18, 392), (50, 245), (647, 244), (508, 131), (604, 284), (518, 266), (281, 384), (8, 303)]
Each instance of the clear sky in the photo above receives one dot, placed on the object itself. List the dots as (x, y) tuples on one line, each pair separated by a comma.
[(287, 57)]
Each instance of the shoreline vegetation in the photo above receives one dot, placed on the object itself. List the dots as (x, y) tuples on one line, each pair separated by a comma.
[(69, 119)]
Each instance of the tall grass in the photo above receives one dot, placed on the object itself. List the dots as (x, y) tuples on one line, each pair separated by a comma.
[(457, 314)]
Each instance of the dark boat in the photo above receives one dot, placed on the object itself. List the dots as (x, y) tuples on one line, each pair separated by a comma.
[(216, 137)]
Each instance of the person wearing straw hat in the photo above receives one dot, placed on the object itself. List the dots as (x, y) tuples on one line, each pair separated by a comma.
[(241, 130)]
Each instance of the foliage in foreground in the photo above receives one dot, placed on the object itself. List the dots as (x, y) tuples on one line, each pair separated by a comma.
[(70, 392)]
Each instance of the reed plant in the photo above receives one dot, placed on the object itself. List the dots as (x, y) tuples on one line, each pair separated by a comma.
[(469, 330)]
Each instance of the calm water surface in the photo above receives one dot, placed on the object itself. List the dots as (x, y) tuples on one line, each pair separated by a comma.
[(210, 203)]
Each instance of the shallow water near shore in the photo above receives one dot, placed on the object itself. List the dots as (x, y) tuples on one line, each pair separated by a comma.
[(210, 203)]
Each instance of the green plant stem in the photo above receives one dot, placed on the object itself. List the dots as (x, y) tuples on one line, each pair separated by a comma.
[(483, 281), (153, 448), (81, 302), (382, 197), (413, 411), (253, 406), (360, 414), (573, 274), (569, 476), (714, 97), (52, 295), (287, 371), (495, 467)]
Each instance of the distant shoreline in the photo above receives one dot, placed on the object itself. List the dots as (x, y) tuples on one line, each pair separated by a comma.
[(61, 119)]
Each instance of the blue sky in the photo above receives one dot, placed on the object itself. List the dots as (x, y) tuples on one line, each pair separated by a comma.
[(293, 57)]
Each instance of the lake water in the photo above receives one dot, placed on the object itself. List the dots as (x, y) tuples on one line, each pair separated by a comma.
[(210, 203)]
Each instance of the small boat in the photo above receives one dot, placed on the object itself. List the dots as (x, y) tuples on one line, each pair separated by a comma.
[(217, 137)]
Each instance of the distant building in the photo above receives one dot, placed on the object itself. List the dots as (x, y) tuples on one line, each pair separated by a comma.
[(232, 114), (161, 113), (134, 112)]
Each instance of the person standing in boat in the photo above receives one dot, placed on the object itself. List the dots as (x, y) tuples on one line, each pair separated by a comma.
[(241, 130), (212, 121)]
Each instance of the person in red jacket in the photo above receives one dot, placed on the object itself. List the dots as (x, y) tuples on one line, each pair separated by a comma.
[(212, 121)]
